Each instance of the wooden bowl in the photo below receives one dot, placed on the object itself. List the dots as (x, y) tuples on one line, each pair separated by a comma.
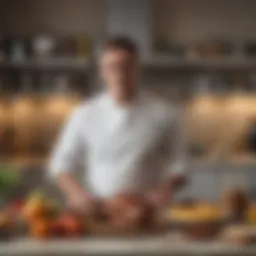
[(202, 230), (197, 221)]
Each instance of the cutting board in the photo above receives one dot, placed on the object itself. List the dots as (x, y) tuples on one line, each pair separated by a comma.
[(107, 229)]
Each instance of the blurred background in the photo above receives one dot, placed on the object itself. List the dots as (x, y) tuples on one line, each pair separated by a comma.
[(199, 54)]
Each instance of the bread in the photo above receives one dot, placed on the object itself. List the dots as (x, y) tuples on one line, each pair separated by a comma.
[(195, 213)]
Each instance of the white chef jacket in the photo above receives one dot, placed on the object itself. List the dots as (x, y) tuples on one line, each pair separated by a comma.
[(127, 149)]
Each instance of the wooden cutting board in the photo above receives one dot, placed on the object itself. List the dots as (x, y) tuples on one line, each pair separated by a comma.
[(239, 234), (107, 229)]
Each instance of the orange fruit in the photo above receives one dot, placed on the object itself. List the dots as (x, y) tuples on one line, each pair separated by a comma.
[(41, 228)]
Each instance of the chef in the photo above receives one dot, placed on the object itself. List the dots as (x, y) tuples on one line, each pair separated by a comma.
[(131, 142)]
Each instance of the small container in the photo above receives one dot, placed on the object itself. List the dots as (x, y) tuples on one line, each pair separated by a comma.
[(236, 204), (43, 47)]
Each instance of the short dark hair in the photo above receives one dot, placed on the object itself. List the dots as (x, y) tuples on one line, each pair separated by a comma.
[(121, 43)]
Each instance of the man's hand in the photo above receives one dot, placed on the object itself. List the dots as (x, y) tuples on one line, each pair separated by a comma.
[(161, 196), (77, 198), (81, 202)]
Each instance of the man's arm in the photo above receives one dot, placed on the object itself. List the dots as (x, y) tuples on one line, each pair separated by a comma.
[(76, 197), (176, 177), (67, 154)]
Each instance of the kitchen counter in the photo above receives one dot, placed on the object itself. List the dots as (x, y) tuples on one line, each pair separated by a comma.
[(158, 245)]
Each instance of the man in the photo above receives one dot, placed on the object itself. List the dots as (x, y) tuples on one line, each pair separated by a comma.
[(131, 142)]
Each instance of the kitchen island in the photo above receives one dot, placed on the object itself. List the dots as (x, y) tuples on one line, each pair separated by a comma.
[(157, 245)]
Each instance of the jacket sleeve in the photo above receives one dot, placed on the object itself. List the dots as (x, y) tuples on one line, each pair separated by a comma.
[(68, 148)]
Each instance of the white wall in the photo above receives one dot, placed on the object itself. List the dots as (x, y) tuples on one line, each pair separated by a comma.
[(56, 16), (195, 20)]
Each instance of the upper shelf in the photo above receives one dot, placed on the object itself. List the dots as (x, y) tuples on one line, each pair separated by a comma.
[(201, 64), (155, 63), (52, 64)]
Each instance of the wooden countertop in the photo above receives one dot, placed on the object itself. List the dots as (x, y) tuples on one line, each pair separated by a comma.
[(158, 245)]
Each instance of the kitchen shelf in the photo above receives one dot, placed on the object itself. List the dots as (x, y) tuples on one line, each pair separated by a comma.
[(21, 162), (52, 64), (234, 160), (201, 64), (155, 63)]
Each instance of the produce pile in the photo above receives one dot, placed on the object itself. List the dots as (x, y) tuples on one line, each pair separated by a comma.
[(41, 217)]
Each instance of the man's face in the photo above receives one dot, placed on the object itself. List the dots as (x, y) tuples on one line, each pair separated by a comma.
[(119, 72)]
